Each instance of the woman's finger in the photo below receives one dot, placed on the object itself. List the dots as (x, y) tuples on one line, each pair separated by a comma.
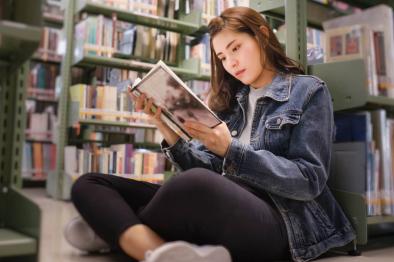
[(133, 96), (148, 107), (198, 127), (195, 133), (140, 102), (158, 114)]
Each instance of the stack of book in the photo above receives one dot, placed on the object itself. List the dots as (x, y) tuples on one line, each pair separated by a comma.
[(122, 160), (102, 36), (41, 121), (49, 44), (367, 35), (42, 81), (161, 8), (52, 10), (211, 9), (200, 48), (39, 159), (376, 131), (107, 99)]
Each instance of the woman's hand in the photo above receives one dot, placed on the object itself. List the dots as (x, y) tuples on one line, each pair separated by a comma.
[(217, 139), (142, 103), (146, 105)]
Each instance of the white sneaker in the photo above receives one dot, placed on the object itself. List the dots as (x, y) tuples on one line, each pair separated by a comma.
[(81, 236), (181, 251)]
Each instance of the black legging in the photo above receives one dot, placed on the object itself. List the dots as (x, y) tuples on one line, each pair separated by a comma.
[(198, 206)]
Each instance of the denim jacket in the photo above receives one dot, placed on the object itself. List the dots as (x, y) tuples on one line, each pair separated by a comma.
[(288, 158)]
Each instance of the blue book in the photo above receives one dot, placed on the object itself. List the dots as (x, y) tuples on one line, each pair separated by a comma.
[(352, 127)]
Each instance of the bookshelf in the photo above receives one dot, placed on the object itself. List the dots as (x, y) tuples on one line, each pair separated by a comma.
[(18, 42), (59, 183), (349, 92), (41, 100), (20, 30), (188, 24)]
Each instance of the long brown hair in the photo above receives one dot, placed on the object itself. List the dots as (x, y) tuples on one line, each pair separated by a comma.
[(243, 20)]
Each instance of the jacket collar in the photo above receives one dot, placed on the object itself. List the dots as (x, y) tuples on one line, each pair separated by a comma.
[(278, 90)]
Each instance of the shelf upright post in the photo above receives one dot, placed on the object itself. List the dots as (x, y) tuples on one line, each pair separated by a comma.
[(13, 121), (19, 217), (295, 20), (55, 184)]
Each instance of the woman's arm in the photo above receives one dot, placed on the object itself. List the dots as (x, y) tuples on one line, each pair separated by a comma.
[(185, 155), (182, 154), (303, 174)]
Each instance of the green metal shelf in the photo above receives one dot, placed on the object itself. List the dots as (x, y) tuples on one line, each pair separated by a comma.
[(115, 123), (20, 218), (18, 41), (183, 27), (349, 92), (53, 20), (38, 58), (316, 13), (13, 243), (91, 60), (380, 220)]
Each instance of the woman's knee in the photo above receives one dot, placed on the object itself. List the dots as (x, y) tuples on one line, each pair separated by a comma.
[(196, 181), (83, 185)]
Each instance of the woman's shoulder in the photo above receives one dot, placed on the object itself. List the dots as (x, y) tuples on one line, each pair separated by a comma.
[(307, 83)]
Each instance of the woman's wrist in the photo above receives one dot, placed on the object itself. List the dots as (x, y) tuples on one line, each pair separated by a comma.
[(169, 135)]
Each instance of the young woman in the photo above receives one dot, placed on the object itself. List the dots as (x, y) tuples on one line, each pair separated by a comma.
[(255, 184)]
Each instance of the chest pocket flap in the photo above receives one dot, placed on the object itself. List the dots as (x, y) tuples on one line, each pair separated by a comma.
[(278, 121)]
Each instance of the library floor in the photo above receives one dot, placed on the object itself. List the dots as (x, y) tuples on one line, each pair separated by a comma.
[(53, 247)]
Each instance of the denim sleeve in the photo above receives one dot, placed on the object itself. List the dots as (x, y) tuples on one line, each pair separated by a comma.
[(303, 174), (185, 155)]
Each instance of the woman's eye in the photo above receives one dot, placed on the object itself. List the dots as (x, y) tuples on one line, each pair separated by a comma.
[(222, 59), (236, 48)]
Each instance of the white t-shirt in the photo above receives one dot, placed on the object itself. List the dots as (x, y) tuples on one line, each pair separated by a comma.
[(254, 94)]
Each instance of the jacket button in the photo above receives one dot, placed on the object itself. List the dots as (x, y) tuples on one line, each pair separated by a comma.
[(234, 133), (278, 121)]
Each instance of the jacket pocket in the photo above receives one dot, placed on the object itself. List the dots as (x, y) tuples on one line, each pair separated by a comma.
[(278, 121), (278, 130)]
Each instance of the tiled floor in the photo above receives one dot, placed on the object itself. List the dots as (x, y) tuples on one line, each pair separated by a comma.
[(53, 247)]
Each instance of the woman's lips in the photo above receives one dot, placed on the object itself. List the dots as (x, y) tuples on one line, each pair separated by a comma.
[(240, 72)]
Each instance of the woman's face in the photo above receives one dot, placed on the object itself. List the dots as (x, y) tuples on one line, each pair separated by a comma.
[(240, 56)]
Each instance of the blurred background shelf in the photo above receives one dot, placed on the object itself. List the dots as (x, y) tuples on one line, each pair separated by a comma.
[(142, 19), (349, 91), (18, 41)]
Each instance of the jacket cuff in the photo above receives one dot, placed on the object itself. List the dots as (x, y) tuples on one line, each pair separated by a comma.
[(233, 158), (171, 152)]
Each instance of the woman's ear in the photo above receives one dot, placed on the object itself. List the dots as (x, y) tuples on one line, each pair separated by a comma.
[(265, 31)]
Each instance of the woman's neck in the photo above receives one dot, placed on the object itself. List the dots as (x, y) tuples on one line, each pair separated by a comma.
[(265, 78)]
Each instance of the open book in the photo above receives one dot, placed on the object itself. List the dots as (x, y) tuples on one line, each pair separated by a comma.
[(177, 101)]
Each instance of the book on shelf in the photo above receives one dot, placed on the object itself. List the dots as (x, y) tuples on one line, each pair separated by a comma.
[(38, 160), (352, 42), (161, 8), (199, 48), (53, 9), (354, 128), (211, 9), (48, 49), (381, 135), (376, 133), (174, 97), (379, 21), (98, 35), (120, 159)]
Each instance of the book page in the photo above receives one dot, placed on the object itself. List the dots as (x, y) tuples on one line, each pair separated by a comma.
[(177, 101)]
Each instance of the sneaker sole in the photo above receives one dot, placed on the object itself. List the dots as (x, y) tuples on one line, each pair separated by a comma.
[(183, 252)]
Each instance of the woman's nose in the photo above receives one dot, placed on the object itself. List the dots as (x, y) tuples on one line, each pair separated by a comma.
[(233, 63)]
